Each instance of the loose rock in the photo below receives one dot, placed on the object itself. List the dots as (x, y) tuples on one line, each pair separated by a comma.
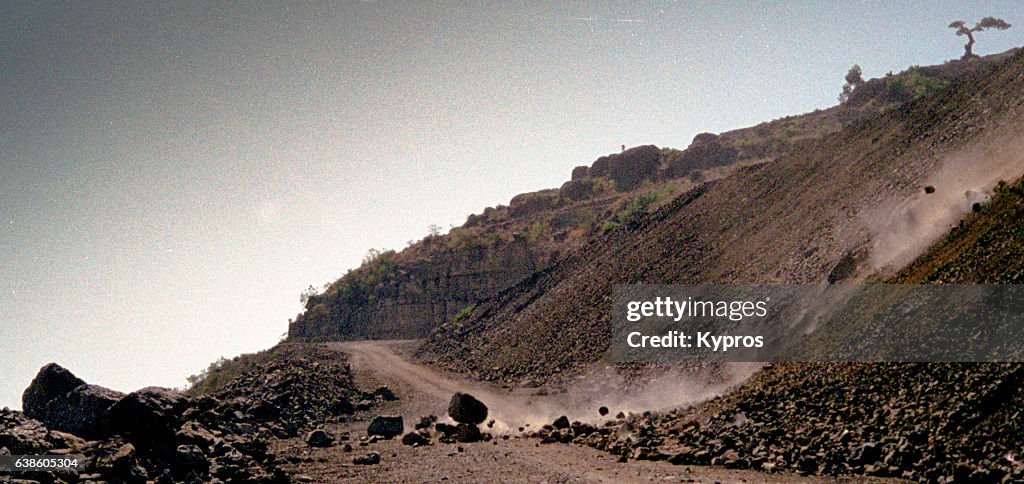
[(319, 438), (370, 458), (464, 408), (387, 426)]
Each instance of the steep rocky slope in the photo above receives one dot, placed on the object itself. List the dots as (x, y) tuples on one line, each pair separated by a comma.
[(932, 422), (845, 205), (409, 293)]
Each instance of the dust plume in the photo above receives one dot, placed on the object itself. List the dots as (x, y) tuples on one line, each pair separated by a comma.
[(604, 386), (902, 229)]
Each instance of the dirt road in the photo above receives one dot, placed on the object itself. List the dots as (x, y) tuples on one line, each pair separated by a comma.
[(423, 391)]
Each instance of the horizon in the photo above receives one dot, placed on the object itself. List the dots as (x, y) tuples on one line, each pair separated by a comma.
[(171, 185)]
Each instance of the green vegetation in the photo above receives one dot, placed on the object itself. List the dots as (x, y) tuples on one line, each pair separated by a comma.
[(464, 313), (631, 211), (913, 84)]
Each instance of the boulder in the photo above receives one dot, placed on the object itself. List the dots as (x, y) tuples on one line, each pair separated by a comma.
[(868, 453), (319, 438), (117, 461), (446, 430), (527, 204), (600, 166), (52, 382), (464, 408), (561, 422), (426, 422), (577, 190), (84, 411), (704, 153), (603, 411), (190, 459), (195, 433), (64, 402), (419, 437), (148, 418), (387, 426), (468, 433)]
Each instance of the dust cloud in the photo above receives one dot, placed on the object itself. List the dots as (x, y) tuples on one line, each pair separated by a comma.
[(902, 229), (604, 386), (531, 408)]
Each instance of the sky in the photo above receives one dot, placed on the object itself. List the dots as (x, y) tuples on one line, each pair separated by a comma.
[(174, 174)]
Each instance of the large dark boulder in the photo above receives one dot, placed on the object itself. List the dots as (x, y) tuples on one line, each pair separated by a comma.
[(464, 408), (148, 418), (386, 426), (468, 433), (52, 382), (84, 411), (417, 438), (65, 402), (369, 459)]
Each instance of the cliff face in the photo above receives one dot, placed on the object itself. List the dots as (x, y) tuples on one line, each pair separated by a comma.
[(406, 297)]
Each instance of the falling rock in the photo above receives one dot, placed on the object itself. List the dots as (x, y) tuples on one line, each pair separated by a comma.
[(468, 433), (387, 426), (464, 408)]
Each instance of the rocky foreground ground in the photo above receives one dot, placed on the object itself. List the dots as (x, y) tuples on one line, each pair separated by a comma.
[(299, 417), (882, 420), (159, 434)]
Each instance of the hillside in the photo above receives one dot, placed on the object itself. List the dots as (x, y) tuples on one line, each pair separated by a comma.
[(407, 294), (912, 421), (846, 205)]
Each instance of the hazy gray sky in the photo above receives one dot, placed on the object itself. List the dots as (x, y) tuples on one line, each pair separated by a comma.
[(173, 176)]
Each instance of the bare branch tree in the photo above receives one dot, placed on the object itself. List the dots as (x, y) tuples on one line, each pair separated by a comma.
[(985, 24)]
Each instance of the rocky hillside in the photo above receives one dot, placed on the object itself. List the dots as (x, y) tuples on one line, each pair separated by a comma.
[(160, 434), (824, 211), (934, 422), (433, 281)]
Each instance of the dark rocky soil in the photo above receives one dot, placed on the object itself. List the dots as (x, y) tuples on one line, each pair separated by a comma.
[(163, 435), (884, 420)]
